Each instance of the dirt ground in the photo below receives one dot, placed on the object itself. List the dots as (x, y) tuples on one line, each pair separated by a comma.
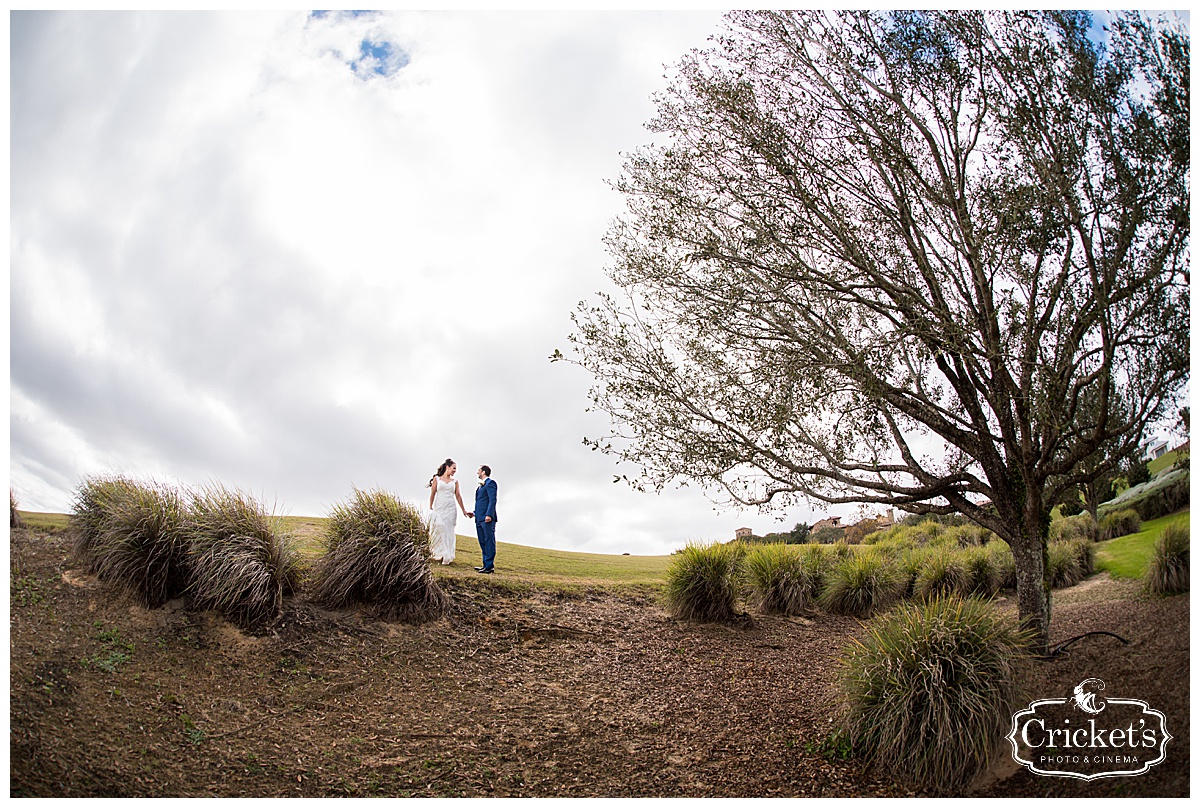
[(513, 694)]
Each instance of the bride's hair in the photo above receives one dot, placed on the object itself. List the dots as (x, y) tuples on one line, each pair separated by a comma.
[(441, 470)]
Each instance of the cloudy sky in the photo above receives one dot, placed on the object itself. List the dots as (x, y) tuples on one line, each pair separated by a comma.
[(297, 253)]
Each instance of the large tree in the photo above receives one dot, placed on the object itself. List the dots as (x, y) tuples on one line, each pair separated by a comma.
[(927, 260)]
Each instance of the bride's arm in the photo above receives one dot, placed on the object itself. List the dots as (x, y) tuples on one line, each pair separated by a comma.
[(459, 498), (433, 491)]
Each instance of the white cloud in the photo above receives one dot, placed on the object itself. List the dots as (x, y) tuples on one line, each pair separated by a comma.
[(235, 257)]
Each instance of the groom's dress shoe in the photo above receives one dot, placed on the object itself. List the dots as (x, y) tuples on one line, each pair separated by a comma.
[(487, 571), (479, 569)]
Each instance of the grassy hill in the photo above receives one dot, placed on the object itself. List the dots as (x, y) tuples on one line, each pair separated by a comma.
[(1127, 556), (517, 565), (1164, 463)]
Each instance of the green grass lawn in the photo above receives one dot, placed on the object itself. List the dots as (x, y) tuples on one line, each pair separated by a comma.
[(516, 563), (45, 522), (1128, 556), (1162, 463), (561, 570)]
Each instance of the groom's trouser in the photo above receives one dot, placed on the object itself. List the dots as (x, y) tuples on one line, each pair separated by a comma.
[(487, 541)]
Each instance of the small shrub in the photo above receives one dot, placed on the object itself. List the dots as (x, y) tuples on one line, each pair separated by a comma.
[(835, 746), (701, 583), (1119, 523), (777, 579), (14, 518), (931, 690), (1137, 472), (941, 573), (377, 551), (142, 543), (1168, 572), (241, 566), (826, 535), (861, 532), (859, 585), (1065, 568)]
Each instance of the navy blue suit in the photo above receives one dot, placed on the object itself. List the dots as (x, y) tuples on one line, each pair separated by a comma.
[(485, 505)]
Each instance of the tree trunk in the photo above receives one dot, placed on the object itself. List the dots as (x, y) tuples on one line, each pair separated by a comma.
[(1033, 588), (1091, 497)]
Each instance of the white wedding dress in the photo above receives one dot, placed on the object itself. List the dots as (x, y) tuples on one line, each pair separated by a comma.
[(445, 515)]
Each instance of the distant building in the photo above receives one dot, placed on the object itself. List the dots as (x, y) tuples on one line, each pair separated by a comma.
[(872, 524), (743, 533), (832, 521), (1156, 449)]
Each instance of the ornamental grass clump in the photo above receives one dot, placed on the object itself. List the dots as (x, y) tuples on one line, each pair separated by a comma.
[(90, 510), (928, 532), (816, 563), (859, 585), (242, 566), (701, 582), (377, 555), (1168, 573), (141, 545), (967, 535), (1064, 567), (930, 689), (1119, 523), (984, 575), (1085, 553), (891, 541), (1080, 526), (1006, 566), (778, 580), (907, 566), (896, 534), (941, 573)]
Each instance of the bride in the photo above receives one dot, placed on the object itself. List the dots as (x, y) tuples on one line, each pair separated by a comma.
[(443, 493)]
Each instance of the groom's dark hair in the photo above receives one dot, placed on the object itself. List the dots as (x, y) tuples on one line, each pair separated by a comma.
[(487, 470)]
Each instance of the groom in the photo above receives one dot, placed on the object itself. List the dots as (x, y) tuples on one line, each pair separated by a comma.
[(485, 518)]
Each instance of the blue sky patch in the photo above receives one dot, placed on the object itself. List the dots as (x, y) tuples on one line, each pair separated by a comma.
[(322, 14), (378, 58), (376, 55)]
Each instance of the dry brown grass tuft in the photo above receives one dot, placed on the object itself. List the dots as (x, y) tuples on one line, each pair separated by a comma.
[(242, 566), (378, 555)]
